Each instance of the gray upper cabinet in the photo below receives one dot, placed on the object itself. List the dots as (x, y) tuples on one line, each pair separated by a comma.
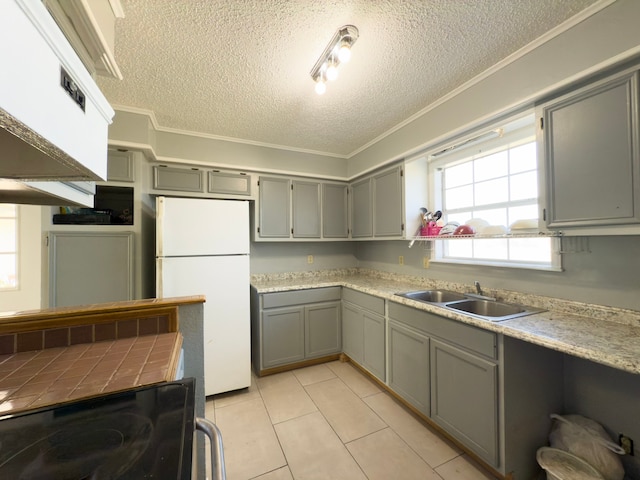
[(178, 179), (377, 205), (301, 210), (590, 143), (274, 207), (387, 203), (197, 182), (229, 183), (120, 166), (361, 209), (335, 221), (306, 209)]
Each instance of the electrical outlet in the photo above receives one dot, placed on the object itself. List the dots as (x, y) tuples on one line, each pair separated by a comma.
[(626, 443), (425, 262), (401, 260), (309, 259)]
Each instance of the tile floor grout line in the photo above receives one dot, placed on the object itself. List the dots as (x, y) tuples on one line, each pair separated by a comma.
[(344, 383)]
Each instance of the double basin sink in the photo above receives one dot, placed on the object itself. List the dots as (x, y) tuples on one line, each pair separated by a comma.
[(486, 309)]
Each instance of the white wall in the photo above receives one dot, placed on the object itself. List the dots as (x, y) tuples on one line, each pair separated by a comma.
[(137, 130), (605, 38), (605, 274), (27, 296)]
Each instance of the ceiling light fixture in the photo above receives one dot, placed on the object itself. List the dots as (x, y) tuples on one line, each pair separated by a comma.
[(338, 51)]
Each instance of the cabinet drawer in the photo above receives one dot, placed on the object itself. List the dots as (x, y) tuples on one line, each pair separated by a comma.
[(467, 336), (233, 183), (364, 300), (298, 297)]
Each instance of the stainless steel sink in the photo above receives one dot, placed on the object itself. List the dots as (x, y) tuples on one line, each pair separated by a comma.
[(492, 310), (433, 296), (487, 309)]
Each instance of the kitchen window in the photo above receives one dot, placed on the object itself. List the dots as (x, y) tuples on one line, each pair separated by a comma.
[(493, 177), (8, 246)]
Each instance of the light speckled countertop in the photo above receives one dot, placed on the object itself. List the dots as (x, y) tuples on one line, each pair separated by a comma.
[(606, 335)]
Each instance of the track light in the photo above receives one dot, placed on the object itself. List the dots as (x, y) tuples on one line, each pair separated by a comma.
[(338, 51)]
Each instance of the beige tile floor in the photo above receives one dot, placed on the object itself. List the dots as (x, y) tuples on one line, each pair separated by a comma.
[(329, 422)]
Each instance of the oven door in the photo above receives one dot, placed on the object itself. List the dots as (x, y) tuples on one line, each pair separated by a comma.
[(145, 432)]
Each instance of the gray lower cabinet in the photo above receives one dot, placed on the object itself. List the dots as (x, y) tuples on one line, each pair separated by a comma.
[(90, 267), (591, 144), (282, 336), (464, 398), (289, 327), (449, 371), (322, 329), (363, 331), (409, 370)]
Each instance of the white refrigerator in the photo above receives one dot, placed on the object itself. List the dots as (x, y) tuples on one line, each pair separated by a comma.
[(202, 248)]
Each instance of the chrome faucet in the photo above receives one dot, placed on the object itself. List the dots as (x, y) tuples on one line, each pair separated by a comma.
[(479, 294)]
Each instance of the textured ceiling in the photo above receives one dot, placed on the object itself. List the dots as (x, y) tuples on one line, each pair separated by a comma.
[(240, 68)]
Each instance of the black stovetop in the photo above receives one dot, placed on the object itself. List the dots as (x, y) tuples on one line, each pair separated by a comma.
[(136, 434)]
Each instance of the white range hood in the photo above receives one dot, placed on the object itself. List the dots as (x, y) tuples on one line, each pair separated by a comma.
[(53, 118)]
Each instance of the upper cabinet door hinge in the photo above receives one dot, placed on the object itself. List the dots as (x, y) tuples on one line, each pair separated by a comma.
[(401, 172), (258, 182), (541, 123)]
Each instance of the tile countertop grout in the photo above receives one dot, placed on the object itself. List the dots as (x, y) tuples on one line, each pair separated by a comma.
[(65, 374), (605, 335)]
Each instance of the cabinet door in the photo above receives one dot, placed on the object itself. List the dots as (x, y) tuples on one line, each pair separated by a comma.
[(322, 329), (335, 222), (275, 200), (179, 179), (374, 344), (361, 209), (282, 336), (229, 183), (464, 398), (387, 204), (120, 167), (352, 332), (306, 209), (90, 267), (409, 365), (592, 155)]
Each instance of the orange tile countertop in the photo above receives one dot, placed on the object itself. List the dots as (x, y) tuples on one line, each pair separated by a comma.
[(61, 354), (58, 375)]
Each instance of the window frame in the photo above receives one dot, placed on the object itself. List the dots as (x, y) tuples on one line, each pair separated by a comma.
[(509, 133), (16, 251)]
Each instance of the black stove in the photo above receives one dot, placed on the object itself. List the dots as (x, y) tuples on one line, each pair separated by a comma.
[(143, 433)]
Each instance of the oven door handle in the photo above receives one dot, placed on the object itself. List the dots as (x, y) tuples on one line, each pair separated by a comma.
[(215, 440)]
